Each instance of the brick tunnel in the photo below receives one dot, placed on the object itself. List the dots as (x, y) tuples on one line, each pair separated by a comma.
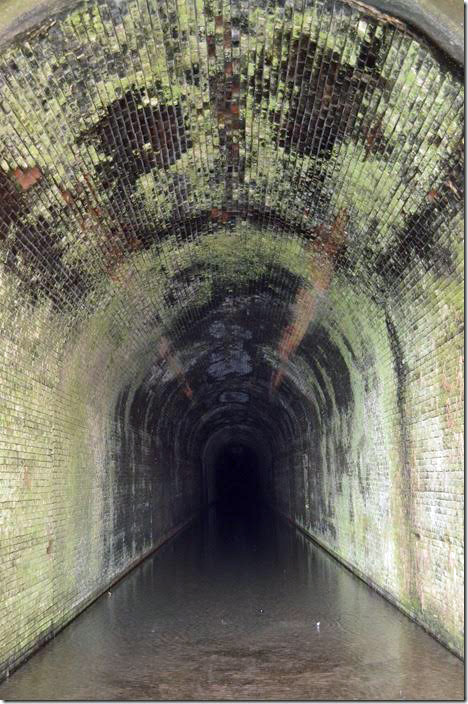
[(231, 282)]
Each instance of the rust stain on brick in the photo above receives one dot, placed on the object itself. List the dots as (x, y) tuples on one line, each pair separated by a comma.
[(28, 177), (321, 255)]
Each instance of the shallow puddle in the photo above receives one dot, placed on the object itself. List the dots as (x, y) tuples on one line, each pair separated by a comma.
[(240, 608)]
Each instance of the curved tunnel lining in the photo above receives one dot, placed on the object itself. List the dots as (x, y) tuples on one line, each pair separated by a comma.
[(106, 333)]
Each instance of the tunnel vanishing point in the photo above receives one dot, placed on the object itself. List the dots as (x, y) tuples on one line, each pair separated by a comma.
[(229, 222)]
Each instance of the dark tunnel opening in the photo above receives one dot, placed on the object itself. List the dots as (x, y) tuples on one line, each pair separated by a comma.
[(237, 483)]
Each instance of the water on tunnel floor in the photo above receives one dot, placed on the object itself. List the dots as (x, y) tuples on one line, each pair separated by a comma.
[(240, 606)]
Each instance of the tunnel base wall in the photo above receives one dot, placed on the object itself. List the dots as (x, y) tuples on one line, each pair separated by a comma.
[(21, 657), (375, 477), (414, 616), (88, 494)]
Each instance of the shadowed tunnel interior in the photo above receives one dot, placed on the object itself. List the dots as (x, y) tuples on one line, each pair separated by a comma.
[(231, 272), (236, 470)]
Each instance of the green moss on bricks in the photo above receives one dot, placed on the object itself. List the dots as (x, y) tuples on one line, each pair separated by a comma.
[(172, 182)]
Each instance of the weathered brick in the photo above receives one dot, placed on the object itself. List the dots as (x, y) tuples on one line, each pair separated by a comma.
[(246, 223)]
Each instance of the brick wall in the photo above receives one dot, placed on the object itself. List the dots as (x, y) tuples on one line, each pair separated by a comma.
[(378, 476), (84, 491), (205, 201)]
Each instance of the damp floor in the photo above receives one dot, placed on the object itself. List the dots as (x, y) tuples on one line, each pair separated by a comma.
[(237, 608)]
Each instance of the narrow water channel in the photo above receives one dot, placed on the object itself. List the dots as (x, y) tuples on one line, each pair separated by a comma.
[(240, 608)]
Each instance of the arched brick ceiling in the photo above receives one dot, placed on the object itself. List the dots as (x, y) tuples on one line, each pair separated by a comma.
[(237, 215), (159, 157)]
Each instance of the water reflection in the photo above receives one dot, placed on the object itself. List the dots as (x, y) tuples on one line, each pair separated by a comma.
[(230, 609)]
